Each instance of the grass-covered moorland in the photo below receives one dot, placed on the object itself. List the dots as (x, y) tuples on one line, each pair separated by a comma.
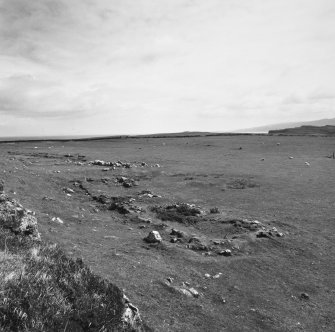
[(247, 228), (44, 290)]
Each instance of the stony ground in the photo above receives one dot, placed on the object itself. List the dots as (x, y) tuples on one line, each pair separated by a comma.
[(246, 224)]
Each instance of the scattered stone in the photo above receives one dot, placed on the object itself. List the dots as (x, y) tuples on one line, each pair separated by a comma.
[(57, 219), (207, 275), (196, 244), (184, 291), (145, 220), (304, 296), (153, 237), (179, 234), (267, 233), (98, 162), (127, 182), (117, 164), (124, 205), (226, 252), (148, 193), (173, 240), (47, 198), (217, 276), (194, 292)]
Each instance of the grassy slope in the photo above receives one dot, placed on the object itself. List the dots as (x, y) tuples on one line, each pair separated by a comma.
[(260, 287), (44, 290)]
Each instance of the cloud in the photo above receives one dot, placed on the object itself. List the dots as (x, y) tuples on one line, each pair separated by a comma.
[(322, 95), (293, 99), (99, 64), (27, 96)]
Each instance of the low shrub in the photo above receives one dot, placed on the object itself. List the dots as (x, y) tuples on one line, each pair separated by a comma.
[(52, 291)]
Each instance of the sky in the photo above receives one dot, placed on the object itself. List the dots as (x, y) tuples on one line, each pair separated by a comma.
[(108, 67)]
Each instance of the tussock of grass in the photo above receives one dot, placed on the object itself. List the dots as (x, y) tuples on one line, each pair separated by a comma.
[(50, 291), (242, 184)]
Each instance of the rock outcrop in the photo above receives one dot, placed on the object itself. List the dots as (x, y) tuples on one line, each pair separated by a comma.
[(153, 237), (19, 220)]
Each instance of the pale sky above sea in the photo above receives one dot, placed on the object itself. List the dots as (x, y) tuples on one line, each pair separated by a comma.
[(107, 67)]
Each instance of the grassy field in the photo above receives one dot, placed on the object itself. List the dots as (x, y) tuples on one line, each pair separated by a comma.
[(268, 283)]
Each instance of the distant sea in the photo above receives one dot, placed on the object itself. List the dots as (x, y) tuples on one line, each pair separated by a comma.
[(44, 138)]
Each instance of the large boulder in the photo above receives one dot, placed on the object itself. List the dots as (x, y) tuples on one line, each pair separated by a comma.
[(153, 237)]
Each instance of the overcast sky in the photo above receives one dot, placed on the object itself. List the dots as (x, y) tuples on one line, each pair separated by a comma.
[(144, 66)]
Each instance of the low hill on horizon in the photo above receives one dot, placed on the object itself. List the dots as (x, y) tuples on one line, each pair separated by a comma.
[(306, 130), (285, 125)]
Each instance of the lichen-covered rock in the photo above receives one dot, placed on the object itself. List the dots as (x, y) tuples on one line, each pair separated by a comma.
[(131, 316), (19, 220)]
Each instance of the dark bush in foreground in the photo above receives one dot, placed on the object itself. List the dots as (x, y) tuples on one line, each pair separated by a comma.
[(53, 293)]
